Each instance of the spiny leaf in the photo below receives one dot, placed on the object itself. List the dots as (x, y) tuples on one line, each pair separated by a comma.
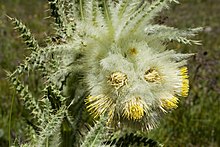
[(165, 33), (96, 135), (51, 126), (29, 101), (25, 34)]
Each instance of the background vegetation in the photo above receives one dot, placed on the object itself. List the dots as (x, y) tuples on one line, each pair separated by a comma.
[(194, 123)]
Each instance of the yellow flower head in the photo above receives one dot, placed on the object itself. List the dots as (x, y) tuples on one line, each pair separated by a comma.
[(133, 109), (97, 105), (170, 103)]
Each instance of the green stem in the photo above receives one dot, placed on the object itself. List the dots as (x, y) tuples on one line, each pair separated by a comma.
[(81, 9), (47, 142), (9, 127)]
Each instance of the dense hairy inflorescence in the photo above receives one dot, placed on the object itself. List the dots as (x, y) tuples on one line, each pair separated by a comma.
[(128, 70), (110, 58)]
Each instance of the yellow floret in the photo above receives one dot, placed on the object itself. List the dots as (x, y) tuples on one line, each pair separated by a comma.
[(152, 75), (117, 80), (97, 105), (170, 103), (185, 82), (133, 109)]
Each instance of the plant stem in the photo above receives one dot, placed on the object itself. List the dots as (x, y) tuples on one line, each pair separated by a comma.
[(9, 126)]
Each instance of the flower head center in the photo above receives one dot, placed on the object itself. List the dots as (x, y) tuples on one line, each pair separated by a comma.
[(136, 111), (152, 75), (133, 51), (133, 109), (117, 80)]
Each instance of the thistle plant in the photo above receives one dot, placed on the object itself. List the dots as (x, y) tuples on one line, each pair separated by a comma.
[(109, 67)]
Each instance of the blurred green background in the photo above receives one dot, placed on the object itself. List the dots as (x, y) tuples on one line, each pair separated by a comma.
[(196, 122)]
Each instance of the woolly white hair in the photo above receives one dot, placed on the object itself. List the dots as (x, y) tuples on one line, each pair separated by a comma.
[(130, 74)]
